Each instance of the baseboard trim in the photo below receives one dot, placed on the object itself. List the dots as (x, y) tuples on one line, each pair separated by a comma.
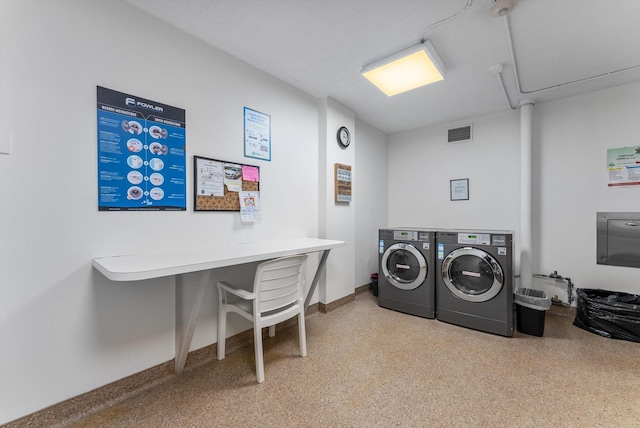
[(77, 408), (363, 289), (563, 311), (328, 307)]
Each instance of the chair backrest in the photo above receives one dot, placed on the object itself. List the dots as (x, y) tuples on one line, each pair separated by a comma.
[(279, 282)]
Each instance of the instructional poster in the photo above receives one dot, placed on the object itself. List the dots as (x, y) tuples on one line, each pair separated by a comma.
[(141, 154), (623, 166), (257, 134)]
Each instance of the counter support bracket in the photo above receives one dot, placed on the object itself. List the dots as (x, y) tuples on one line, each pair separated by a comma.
[(187, 315), (316, 278)]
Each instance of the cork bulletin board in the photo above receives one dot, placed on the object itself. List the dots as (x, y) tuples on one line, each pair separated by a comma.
[(217, 183)]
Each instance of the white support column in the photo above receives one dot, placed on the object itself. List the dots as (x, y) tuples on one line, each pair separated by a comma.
[(526, 192), (337, 219)]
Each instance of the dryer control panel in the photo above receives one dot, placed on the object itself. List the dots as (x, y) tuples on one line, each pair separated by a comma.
[(405, 235), (409, 235), (474, 238), (482, 239)]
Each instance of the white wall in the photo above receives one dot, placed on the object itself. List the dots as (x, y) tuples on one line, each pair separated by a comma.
[(65, 329), (421, 163), (371, 193), (571, 138)]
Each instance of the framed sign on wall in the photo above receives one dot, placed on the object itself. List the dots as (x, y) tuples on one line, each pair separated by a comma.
[(257, 134), (342, 182), (459, 189)]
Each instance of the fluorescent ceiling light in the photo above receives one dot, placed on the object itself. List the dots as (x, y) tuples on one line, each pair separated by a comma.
[(411, 68)]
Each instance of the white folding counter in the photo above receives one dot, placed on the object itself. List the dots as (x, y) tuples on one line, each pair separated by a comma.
[(176, 263)]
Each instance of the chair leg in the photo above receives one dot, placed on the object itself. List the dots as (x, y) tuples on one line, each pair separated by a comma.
[(222, 329), (257, 339), (302, 335), (272, 330)]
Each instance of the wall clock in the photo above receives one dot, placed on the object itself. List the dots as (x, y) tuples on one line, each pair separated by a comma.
[(344, 137)]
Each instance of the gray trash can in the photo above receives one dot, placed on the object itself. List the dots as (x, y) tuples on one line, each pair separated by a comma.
[(531, 307)]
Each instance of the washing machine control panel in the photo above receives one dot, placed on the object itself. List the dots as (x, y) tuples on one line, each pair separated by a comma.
[(482, 239), (405, 235), (474, 238)]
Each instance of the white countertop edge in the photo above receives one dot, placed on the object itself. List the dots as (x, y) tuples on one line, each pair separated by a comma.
[(136, 267)]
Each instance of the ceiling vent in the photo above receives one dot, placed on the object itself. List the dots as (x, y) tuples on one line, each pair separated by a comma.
[(460, 135)]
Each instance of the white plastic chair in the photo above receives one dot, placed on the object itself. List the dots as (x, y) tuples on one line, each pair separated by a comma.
[(278, 295)]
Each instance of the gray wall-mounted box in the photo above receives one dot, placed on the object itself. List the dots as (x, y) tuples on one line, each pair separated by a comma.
[(618, 239)]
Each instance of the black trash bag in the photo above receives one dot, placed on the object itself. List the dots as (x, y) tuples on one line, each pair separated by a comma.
[(609, 313)]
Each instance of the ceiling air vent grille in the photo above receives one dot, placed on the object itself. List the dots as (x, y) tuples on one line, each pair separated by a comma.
[(459, 135)]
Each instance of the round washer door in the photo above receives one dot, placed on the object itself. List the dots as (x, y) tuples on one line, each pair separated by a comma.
[(472, 274), (404, 266)]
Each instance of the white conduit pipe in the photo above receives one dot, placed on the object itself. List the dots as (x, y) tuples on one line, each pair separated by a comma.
[(497, 70), (526, 193)]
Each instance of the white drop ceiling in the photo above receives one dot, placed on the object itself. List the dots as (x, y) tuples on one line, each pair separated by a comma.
[(319, 46)]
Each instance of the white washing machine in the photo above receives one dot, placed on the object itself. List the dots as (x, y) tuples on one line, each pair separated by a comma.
[(407, 271), (474, 280)]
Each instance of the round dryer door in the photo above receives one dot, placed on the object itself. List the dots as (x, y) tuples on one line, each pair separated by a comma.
[(472, 274), (404, 266)]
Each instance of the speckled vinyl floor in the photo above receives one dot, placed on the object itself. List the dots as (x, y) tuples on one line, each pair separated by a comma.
[(372, 367)]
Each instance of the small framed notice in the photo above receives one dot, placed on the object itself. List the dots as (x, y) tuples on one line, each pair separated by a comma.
[(342, 182), (459, 189)]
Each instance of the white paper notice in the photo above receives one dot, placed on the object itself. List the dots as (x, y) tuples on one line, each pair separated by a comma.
[(210, 178), (250, 207)]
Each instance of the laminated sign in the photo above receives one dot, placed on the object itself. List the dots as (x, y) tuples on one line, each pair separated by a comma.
[(342, 182), (141, 154), (623, 166)]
